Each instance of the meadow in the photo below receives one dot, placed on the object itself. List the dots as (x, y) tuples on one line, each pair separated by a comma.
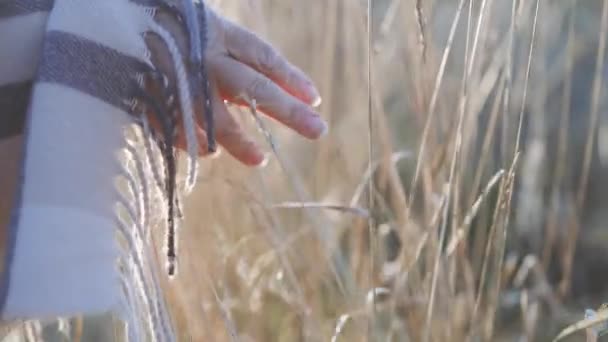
[(458, 196)]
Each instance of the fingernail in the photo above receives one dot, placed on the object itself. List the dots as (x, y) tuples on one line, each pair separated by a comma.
[(265, 161), (316, 102), (313, 94), (325, 130), (316, 126)]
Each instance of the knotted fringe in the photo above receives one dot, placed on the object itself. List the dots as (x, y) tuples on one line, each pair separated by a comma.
[(146, 168), (140, 280), (159, 323)]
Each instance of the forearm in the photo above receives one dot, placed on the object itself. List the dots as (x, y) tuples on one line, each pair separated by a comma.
[(22, 27), (10, 155), (61, 248), (63, 251)]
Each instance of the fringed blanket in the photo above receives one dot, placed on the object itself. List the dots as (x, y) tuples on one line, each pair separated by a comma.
[(99, 116)]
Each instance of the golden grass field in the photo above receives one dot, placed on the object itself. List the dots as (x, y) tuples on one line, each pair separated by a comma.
[(476, 228), (521, 263)]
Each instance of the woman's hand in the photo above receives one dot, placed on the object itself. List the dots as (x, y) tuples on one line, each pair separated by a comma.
[(242, 66)]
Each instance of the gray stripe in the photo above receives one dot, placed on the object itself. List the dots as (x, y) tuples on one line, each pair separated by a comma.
[(89, 67), (13, 8), (158, 3), (14, 99)]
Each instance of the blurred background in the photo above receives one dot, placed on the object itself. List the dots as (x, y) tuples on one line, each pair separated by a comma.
[(480, 215)]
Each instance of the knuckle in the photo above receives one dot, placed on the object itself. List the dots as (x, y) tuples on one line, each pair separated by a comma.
[(259, 88), (269, 59), (294, 113)]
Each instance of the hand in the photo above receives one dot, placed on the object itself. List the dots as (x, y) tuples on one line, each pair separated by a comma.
[(240, 66)]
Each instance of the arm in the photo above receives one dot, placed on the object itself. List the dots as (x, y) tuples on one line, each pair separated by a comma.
[(63, 240)]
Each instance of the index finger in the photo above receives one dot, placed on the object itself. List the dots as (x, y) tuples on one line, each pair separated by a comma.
[(246, 47)]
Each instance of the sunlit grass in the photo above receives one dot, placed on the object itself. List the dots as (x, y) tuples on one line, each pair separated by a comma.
[(480, 193)]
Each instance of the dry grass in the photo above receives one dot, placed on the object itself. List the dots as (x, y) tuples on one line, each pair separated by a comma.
[(471, 168), (486, 170)]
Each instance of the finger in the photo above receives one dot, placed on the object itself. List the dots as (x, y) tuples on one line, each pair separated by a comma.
[(231, 136), (228, 133), (236, 79), (248, 48), (201, 136)]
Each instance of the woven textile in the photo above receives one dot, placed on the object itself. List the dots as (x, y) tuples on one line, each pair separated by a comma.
[(74, 80)]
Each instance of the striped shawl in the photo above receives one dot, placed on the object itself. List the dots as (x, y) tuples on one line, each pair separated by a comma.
[(80, 82)]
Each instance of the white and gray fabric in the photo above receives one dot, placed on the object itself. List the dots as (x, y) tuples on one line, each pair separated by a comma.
[(73, 76)]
